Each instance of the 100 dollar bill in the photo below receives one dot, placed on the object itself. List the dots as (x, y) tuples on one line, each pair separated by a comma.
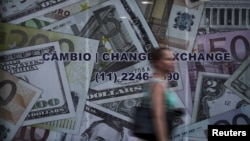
[(17, 97), (78, 72), (55, 102)]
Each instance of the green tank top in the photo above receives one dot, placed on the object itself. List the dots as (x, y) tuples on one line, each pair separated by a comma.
[(170, 99)]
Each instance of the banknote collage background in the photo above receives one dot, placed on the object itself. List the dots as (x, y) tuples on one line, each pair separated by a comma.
[(62, 101)]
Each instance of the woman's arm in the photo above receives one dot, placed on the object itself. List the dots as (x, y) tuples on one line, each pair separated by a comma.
[(159, 111)]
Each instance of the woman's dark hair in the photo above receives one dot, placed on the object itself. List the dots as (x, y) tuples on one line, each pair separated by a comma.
[(157, 54)]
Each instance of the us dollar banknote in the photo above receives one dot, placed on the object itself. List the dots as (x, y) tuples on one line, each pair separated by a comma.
[(69, 10), (101, 123), (55, 102), (107, 24), (22, 10), (212, 97), (78, 72), (239, 81), (17, 98), (124, 105), (61, 13), (200, 129), (28, 133)]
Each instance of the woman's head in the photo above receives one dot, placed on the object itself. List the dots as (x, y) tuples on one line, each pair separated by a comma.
[(163, 59)]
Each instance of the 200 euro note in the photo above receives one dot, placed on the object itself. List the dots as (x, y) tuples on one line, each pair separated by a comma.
[(21, 10), (17, 97), (78, 72), (55, 101)]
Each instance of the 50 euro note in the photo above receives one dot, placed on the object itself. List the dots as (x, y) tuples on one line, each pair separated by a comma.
[(55, 102), (78, 72), (106, 23), (21, 10), (17, 98), (60, 13), (212, 97), (199, 129)]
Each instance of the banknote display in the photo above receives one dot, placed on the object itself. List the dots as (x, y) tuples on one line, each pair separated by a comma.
[(55, 102), (96, 99), (78, 72), (17, 98)]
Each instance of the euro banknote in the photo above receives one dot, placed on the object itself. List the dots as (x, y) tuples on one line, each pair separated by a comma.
[(116, 33), (17, 99), (22, 10), (78, 72), (61, 13)]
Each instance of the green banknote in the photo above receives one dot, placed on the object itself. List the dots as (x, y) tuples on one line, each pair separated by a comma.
[(78, 72)]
